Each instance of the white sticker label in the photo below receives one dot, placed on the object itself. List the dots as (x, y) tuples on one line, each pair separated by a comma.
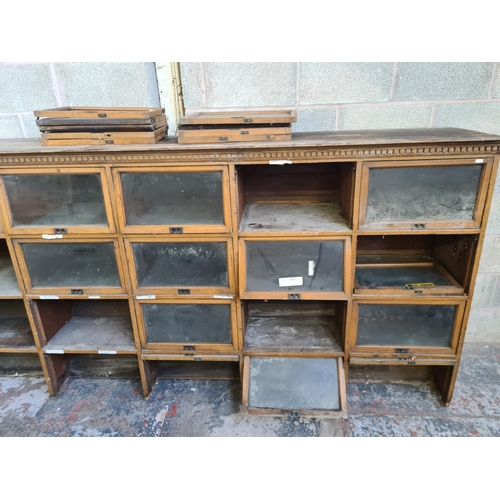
[(298, 281), (49, 297), (480, 160), (54, 351), (145, 297), (223, 296), (280, 162), (52, 236), (94, 296), (106, 352), (310, 269)]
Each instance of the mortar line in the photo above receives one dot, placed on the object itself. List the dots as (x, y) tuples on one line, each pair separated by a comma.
[(204, 83), (493, 78), (393, 84)]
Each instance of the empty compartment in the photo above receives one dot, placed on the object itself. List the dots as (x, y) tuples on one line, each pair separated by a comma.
[(56, 200), (191, 266), (305, 267), (422, 327), (9, 286), (409, 265), (423, 194), (13, 364), (298, 198), (303, 385), (86, 326), (276, 326), (72, 266), (187, 326), (183, 198), (198, 370), (15, 329)]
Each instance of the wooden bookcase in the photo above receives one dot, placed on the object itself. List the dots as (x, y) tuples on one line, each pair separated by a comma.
[(279, 263)]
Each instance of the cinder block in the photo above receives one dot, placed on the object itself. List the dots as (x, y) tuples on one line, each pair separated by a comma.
[(10, 127), (437, 80), (480, 116), (483, 325), (380, 117), (251, 84), (331, 83), (493, 227), (483, 291), (25, 87), (108, 84), (311, 120), (30, 127), (490, 256), (192, 84)]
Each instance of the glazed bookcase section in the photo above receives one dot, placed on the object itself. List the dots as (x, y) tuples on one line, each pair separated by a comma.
[(408, 327), (438, 264), (187, 327), (16, 335), (287, 328), (175, 200), (71, 267), (56, 201), (424, 195), (297, 199), (295, 268), (84, 326), (9, 284), (294, 386), (182, 266)]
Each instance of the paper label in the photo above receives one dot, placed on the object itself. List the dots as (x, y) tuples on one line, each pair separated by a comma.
[(310, 269), (480, 160), (94, 296), (298, 281), (49, 297), (52, 236), (223, 296), (280, 162), (54, 351), (145, 297), (106, 352)]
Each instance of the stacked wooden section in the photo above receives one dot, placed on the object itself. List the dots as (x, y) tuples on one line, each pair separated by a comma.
[(74, 126), (247, 126)]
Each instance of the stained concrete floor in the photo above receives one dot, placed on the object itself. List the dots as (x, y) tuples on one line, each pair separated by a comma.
[(115, 407)]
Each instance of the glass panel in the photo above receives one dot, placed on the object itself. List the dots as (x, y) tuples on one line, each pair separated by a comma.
[(319, 264), (173, 199), (188, 323), (56, 200), (407, 325), (181, 264), (373, 277), (72, 265), (294, 384), (423, 193)]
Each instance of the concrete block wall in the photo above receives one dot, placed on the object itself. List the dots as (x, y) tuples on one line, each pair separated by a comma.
[(356, 96)]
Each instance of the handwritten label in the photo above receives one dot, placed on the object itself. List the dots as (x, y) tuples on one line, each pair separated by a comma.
[(223, 296), (297, 281), (49, 297), (145, 297), (280, 162), (479, 160), (52, 236), (94, 296), (54, 351), (312, 265), (106, 352)]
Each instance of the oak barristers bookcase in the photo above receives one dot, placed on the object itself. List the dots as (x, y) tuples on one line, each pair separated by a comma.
[(280, 263)]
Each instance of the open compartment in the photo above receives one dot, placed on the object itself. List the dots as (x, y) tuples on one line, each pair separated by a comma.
[(73, 201), (9, 285), (294, 386), (70, 267), (20, 364), (408, 327), (414, 264), (85, 326), (293, 199), (194, 325), (15, 329), (295, 268), (182, 266), (174, 200), (286, 327), (421, 195)]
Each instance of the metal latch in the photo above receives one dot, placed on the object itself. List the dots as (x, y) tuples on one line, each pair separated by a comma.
[(222, 138), (60, 230), (176, 230), (184, 291), (189, 348), (294, 296), (109, 141), (401, 351), (102, 115), (418, 226), (76, 291)]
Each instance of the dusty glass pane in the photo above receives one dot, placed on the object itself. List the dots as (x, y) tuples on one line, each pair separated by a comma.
[(181, 264), (74, 265), (294, 384), (320, 264), (173, 199), (406, 325), (56, 200), (188, 323), (400, 276), (423, 193)]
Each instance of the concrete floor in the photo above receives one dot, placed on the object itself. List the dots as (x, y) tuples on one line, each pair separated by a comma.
[(115, 407)]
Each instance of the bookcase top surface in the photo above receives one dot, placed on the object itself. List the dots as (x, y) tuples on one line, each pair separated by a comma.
[(350, 138)]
